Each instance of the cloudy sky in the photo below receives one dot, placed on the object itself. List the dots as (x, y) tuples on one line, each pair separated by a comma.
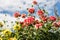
[(10, 6)]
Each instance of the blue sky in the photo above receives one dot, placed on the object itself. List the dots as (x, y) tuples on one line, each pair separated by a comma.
[(10, 6), (58, 7)]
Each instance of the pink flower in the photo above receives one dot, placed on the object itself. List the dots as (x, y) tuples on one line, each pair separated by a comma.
[(52, 18), (31, 10), (38, 25), (16, 14), (29, 20), (55, 24), (40, 12), (34, 2), (23, 15), (58, 23)]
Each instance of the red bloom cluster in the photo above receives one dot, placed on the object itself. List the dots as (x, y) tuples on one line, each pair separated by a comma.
[(42, 16), (29, 20), (17, 14)]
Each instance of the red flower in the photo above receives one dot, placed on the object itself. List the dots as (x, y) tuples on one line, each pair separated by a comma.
[(34, 2), (29, 20), (38, 25), (31, 10), (21, 22), (36, 22), (52, 18), (44, 18), (40, 12), (16, 14), (24, 24), (23, 15)]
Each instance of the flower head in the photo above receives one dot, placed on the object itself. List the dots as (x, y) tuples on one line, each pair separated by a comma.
[(38, 25), (29, 20), (34, 2), (0, 38), (6, 32), (1, 24), (16, 27), (40, 12), (12, 38), (23, 15), (55, 24), (36, 22), (31, 10), (58, 23), (44, 19), (16, 14), (52, 18)]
